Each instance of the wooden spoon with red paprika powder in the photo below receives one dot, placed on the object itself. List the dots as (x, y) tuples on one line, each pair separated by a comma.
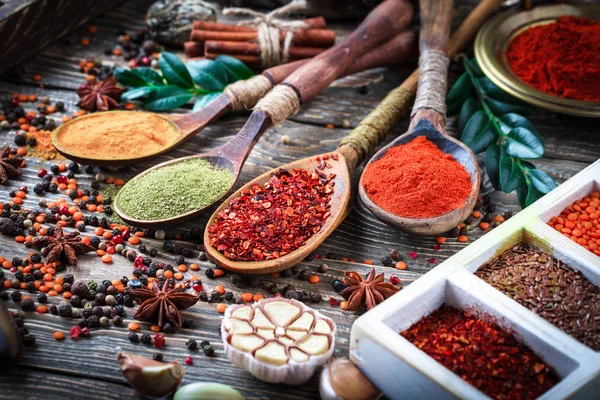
[(428, 120)]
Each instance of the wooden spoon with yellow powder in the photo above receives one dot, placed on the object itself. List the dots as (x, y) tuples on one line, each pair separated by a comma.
[(125, 137)]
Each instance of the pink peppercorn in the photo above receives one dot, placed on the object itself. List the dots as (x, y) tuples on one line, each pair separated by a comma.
[(412, 254), (159, 340), (188, 360), (394, 279)]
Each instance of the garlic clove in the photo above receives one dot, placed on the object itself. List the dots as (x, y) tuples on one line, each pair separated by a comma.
[(314, 344), (296, 334), (272, 353), (342, 380), (266, 333), (247, 343), (207, 391), (242, 313), (298, 355), (148, 377), (240, 327), (303, 323), (322, 327), (282, 313), (261, 321)]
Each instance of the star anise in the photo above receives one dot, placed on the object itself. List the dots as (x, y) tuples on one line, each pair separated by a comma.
[(372, 290), (162, 305), (60, 245), (9, 167), (101, 96)]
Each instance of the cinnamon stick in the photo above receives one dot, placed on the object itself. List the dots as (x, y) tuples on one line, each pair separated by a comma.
[(310, 23), (302, 37), (253, 61), (246, 48), (193, 49)]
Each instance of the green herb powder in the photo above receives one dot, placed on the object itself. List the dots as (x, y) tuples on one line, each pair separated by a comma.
[(174, 190)]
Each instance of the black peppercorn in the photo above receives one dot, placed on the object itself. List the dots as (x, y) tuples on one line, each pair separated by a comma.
[(316, 297), (338, 285), (53, 309), (15, 296), (27, 304), (191, 344), (210, 273), (42, 298), (323, 268), (387, 261), (208, 350), (146, 339), (304, 275), (133, 337), (117, 320), (157, 357)]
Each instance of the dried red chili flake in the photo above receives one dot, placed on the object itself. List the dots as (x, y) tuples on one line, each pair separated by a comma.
[(274, 219), (75, 332), (483, 354)]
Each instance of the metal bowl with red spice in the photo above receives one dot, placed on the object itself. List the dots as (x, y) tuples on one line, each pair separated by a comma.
[(516, 329)]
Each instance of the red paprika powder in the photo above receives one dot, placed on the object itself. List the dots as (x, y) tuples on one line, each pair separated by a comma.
[(417, 180), (561, 58)]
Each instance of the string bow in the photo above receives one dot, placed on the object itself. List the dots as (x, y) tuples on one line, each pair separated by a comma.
[(269, 27)]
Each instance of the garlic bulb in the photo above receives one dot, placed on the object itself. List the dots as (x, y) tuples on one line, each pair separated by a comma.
[(278, 340), (342, 380), (148, 377)]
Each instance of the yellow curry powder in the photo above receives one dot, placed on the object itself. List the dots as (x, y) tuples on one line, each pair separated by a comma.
[(117, 135)]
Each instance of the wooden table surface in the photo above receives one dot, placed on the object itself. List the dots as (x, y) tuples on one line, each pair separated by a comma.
[(88, 368)]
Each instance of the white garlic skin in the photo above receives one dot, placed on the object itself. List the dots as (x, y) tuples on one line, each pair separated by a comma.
[(292, 373)]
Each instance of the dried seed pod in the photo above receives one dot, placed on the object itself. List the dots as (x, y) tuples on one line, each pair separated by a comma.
[(342, 380), (278, 340), (148, 377)]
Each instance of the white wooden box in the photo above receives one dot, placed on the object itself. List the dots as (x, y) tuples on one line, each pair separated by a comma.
[(402, 371)]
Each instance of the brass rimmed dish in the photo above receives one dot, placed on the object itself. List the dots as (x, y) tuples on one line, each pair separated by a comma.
[(492, 42)]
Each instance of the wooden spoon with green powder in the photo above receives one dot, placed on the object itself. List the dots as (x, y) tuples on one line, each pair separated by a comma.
[(384, 22)]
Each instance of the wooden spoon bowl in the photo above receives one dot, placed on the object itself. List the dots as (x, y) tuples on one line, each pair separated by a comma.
[(339, 207), (442, 223), (217, 161)]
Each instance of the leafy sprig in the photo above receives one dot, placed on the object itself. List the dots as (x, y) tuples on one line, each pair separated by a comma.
[(491, 120), (179, 83)]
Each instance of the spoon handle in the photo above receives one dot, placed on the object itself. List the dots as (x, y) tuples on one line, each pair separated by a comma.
[(430, 102), (385, 21)]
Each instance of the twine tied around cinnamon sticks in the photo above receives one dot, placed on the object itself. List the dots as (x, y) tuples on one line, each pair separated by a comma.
[(269, 26)]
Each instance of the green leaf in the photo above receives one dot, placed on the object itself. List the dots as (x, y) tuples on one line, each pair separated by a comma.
[(541, 181), (501, 108), (510, 174), (522, 190), (492, 164), (236, 70), (469, 107), (474, 67), (479, 132), (459, 92), (175, 71), (513, 120), (138, 92), (167, 98), (208, 74), (532, 196), (150, 76), (205, 100), (129, 78), (522, 143)]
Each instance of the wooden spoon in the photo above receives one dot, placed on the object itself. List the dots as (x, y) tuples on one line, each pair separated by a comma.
[(386, 20), (428, 119), (239, 96)]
